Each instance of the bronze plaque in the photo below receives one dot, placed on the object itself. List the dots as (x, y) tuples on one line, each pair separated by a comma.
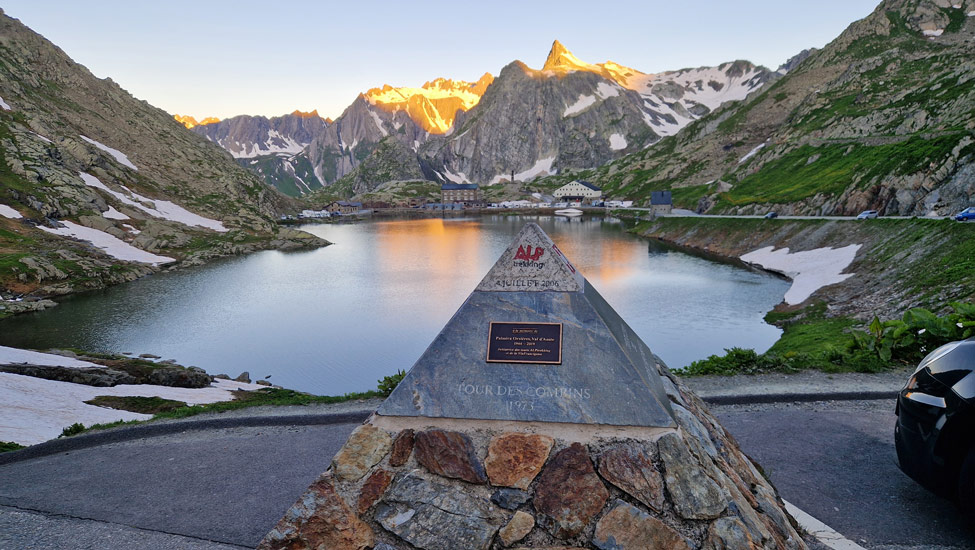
[(539, 343)]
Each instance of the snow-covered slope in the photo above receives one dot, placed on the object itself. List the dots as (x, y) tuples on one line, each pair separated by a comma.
[(252, 136)]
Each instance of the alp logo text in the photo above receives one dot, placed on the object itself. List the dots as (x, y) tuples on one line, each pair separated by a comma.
[(527, 254)]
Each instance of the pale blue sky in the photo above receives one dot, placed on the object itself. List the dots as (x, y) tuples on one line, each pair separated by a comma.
[(222, 58)]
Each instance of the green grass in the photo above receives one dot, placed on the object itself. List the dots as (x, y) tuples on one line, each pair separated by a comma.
[(796, 176), (242, 400), (137, 404), (688, 197), (7, 446), (810, 331)]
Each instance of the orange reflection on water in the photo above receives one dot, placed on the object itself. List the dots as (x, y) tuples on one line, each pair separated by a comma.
[(447, 253), (606, 259)]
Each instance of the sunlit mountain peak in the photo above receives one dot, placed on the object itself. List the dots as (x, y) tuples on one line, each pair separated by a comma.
[(189, 122), (434, 105), (561, 61)]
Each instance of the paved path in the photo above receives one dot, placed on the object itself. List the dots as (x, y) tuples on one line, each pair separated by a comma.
[(225, 485), (836, 462), (216, 487)]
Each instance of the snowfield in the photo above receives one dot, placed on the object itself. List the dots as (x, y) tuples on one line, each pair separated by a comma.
[(156, 208), (33, 410), (114, 214), (109, 244), (3, 105), (8, 212), (583, 103), (119, 155), (14, 356), (543, 166), (809, 270), (617, 142)]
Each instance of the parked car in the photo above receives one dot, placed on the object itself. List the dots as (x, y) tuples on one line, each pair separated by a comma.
[(867, 214), (966, 214), (935, 431), (771, 215)]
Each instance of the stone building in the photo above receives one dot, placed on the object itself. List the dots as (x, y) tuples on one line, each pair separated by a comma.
[(344, 207), (578, 191), (661, 202), (468, 194)]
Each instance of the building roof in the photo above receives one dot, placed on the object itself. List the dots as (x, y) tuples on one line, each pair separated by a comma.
[(347, 203), (660, 197), (585, 183), (457, 186)]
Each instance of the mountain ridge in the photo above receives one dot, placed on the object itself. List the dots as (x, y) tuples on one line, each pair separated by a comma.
[(591, 113), (880, 118)]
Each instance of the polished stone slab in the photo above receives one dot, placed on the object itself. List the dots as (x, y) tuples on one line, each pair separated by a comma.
[(606, 374)]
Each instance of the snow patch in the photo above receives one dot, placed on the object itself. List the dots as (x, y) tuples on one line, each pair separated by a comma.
[(119, 155), (584, 102), (606, 91), (174, 212), (14, 356), (131, 229), (3, 105), (542, 167), (971, 14), (459, 177), (275, 144), (935, 32), (109, 244), (157, 208), (42, 138), (809, 270), (617, 142), (751, 153), (114, 214), (379, 123), (8, 212), (34, 410)]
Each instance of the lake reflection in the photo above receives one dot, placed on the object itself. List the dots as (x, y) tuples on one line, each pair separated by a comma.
[(337, 319)]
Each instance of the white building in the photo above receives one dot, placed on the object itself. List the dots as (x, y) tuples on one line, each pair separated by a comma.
[(578, 191)]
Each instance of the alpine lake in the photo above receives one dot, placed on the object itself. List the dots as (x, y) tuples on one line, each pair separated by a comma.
[(338, 319)]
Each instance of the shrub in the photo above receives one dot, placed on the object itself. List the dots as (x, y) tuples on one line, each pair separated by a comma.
[(389, 383), (73, 429)]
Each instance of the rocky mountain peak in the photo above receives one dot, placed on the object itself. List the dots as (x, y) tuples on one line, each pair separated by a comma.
[(434, 105), (559, 57), (561, 62), (190, 122)]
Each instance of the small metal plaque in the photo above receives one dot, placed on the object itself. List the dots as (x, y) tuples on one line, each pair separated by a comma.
[(538, 343)]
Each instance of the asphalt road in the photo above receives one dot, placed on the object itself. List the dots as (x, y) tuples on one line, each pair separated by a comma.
[(225, 488), (228, 486), (836, 461)]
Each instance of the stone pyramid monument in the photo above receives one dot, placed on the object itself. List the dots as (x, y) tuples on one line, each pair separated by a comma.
[(538, 419), (535, 342)]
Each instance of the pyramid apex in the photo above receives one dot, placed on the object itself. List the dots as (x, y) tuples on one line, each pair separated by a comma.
[(532, 263)]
